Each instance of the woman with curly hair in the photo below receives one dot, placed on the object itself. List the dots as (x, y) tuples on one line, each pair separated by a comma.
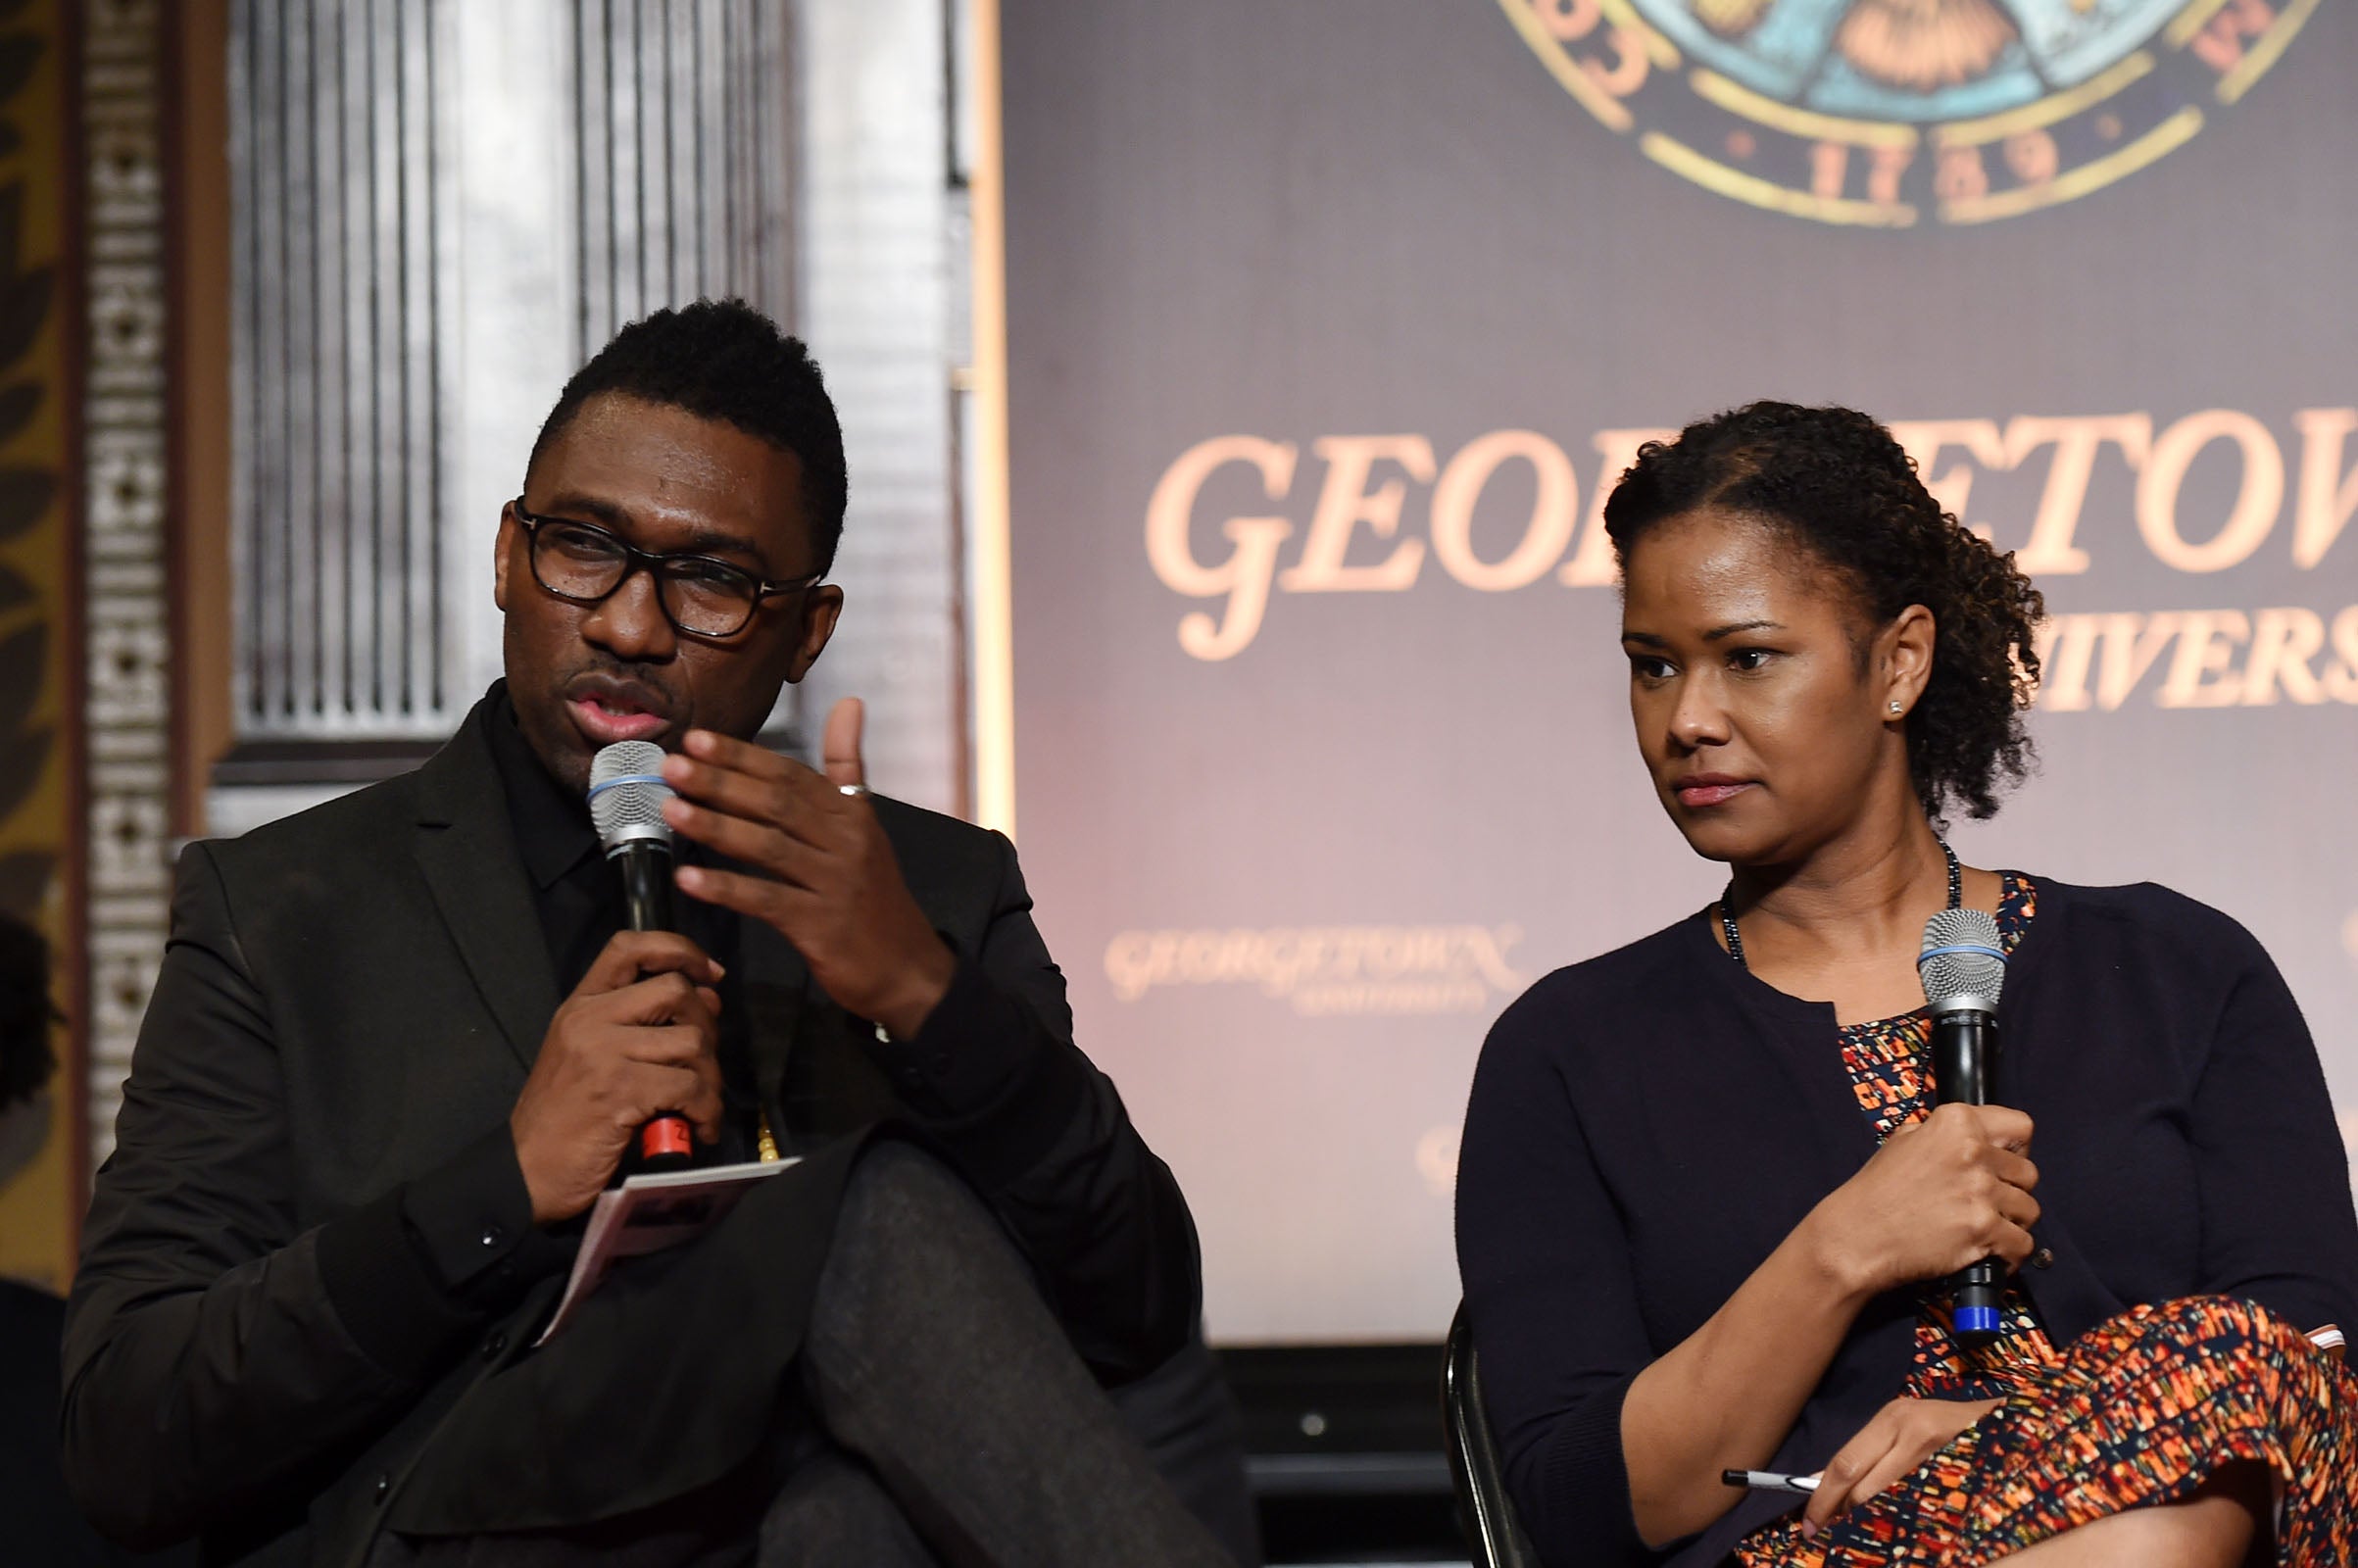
[(1706, 1209)]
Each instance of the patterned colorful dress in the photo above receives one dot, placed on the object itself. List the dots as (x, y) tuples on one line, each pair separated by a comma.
[(2141, 1410)]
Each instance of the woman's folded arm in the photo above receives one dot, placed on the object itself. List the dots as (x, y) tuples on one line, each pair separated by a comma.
[(1607, 1445)]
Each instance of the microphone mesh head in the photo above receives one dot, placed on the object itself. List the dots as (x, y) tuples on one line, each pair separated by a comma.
[(626, 793), (1962, 981)]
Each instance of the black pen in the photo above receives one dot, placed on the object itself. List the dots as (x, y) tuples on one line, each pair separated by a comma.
[(1770, 1481)]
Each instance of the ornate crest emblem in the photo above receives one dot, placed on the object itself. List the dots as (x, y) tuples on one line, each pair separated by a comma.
[(1889, 112)]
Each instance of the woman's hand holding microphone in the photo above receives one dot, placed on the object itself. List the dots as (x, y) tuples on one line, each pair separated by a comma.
[(1940, 1194)]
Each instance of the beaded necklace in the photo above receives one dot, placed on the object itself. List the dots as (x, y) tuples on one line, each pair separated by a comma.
[(1726, 921)]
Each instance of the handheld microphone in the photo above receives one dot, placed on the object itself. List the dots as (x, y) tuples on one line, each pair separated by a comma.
[(1963, 966), (626, 796)]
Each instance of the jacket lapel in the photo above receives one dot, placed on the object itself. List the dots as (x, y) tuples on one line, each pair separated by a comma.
[(468, 853)]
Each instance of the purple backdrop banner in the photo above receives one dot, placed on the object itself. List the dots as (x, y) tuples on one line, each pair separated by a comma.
[(1330, 321)]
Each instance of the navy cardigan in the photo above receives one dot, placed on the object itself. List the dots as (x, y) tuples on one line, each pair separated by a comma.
[(1647, 1127)]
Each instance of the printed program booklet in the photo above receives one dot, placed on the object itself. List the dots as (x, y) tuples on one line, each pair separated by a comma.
[(648, 1213)]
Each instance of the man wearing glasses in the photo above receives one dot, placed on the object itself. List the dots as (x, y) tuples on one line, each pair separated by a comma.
[(400, 1043)]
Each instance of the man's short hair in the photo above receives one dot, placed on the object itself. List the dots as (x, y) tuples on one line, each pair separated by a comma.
[(723, 359), (25, 1012)]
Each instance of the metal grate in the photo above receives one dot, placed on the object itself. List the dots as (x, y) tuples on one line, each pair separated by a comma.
[(339, 343), (682, 157)]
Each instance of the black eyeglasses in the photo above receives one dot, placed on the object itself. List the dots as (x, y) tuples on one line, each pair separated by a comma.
[(702, 597)]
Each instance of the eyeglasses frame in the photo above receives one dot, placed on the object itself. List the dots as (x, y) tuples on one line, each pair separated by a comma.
[(635, 560)]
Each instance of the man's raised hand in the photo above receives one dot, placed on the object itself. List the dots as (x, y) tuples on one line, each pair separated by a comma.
[(823, 874)]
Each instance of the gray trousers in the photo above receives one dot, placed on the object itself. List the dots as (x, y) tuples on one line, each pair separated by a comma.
[(950, 1425)]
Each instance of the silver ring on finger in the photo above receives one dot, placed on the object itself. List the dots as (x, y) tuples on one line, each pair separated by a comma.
[(858, 791)]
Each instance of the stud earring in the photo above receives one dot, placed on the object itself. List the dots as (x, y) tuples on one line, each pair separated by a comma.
[(1894, 704)]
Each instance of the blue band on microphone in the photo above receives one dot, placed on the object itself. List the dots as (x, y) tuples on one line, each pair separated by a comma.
[(616, 783), (1978, 1319), (1975, 948)]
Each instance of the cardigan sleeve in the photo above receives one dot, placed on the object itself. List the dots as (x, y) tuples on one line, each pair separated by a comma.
[(1550, 1296), (2273, 1175)]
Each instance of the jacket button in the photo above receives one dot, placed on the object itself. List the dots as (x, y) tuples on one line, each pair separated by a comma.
[(493, 1346), (493, 1236), (384, 1484), (2044, 1258)]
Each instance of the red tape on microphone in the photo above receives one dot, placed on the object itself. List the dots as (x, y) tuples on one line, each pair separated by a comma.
[(665, 1137)]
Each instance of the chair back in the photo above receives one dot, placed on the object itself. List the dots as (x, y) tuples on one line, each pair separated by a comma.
[(1484, 1511)]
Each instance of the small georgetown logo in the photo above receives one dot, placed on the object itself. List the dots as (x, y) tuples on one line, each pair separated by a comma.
[(1886, 112)]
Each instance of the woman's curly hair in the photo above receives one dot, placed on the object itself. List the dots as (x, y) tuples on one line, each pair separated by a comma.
[(1836, 483)]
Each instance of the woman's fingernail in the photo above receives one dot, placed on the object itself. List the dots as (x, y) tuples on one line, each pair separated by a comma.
[(1809, 1530)]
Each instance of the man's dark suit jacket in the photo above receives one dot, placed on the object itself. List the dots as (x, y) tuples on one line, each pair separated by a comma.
[(38, 1522), (309, 1277), (1645, 1128)]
